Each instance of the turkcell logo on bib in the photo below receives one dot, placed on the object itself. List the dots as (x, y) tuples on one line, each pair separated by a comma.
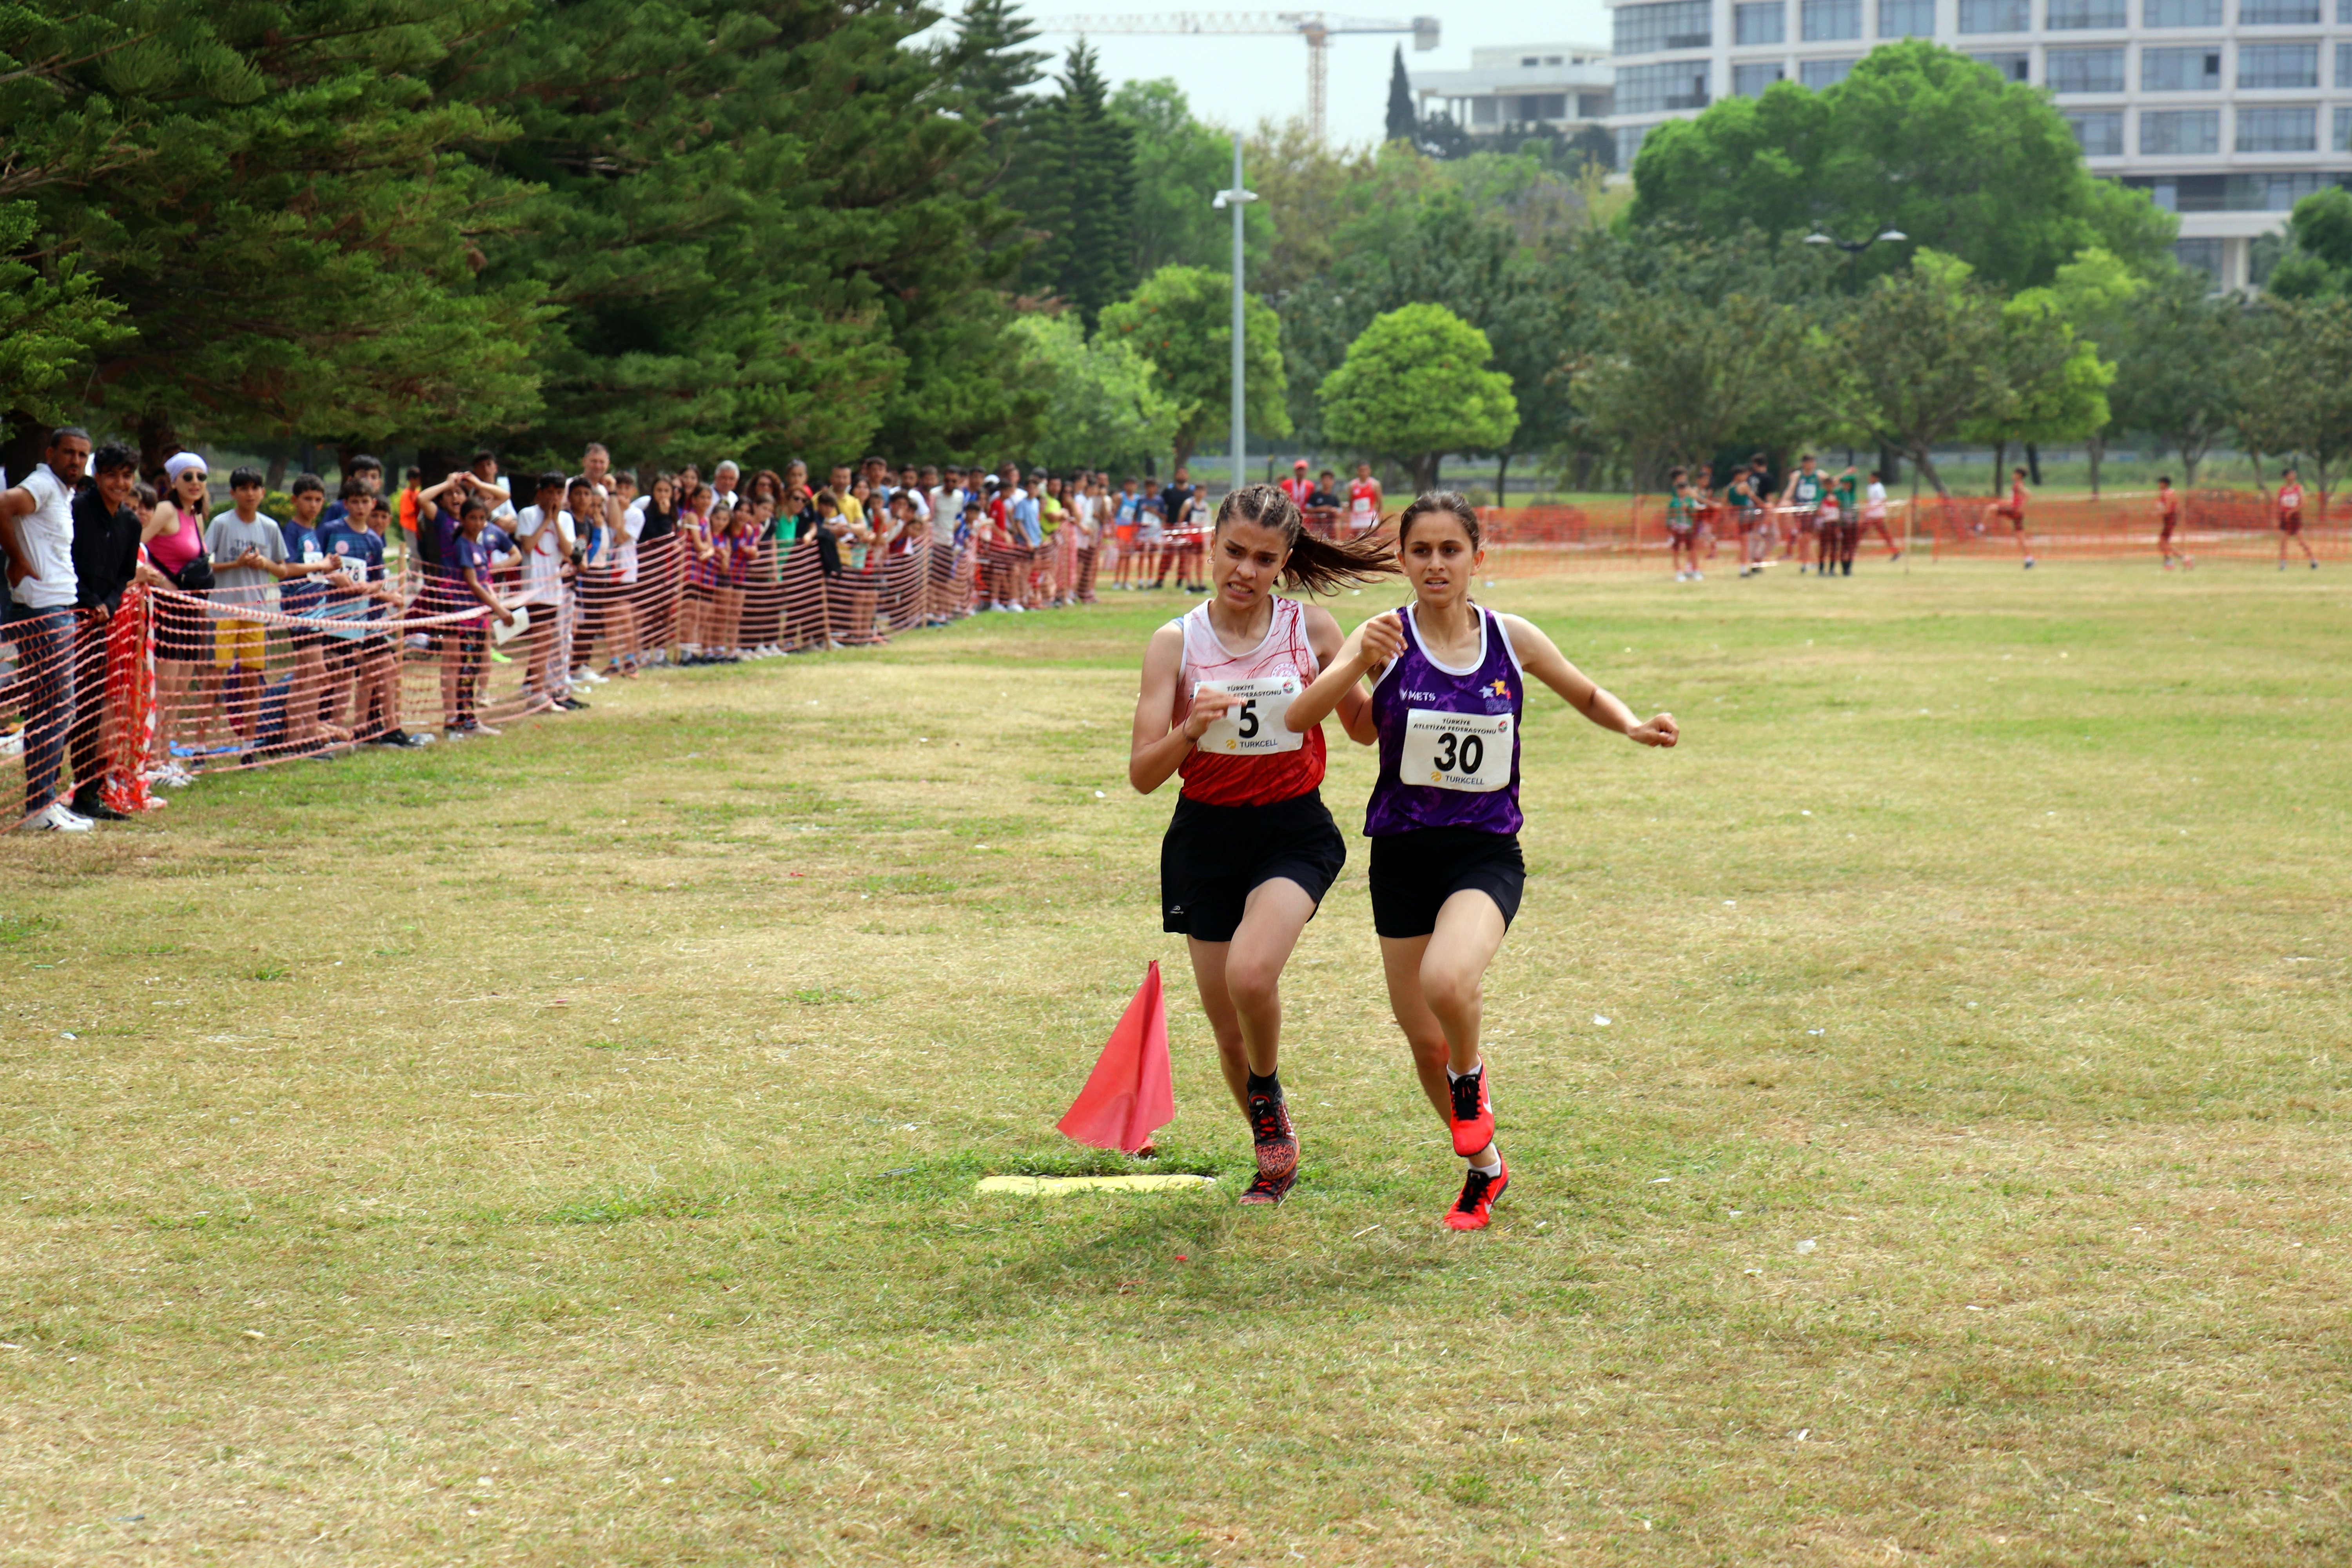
[(1466, 752), (1253, 726)]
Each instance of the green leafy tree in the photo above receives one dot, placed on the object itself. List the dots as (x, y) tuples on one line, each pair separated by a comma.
[(759, 234), (1180, 166), (1107, 406), (1081, 162), (1676, 378), (1180, 319), (48, 324), (2055, 382), (1403, 119), (2176, 351), (1918, 355), (2294, 389), (2317, 261), (269, 195), (1918, 138), (1415, 386)]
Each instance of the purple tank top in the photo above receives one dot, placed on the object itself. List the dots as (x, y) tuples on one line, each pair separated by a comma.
[(1449, 739)]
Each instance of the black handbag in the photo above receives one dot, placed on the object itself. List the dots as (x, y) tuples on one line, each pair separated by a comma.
[(197, 576)]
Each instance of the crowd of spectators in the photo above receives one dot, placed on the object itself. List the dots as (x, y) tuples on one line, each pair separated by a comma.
[(277, 636)]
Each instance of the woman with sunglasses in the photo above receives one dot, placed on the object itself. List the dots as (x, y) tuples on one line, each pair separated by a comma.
[(174, 536)]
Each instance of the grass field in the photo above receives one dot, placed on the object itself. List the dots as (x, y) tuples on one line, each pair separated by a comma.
[(561, 1148)]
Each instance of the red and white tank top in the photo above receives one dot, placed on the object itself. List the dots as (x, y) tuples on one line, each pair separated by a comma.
[(2290, 500), (1364, 502), (1249, 757)]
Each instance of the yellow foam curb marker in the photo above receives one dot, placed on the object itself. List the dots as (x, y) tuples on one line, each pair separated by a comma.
[(1049, 1186)]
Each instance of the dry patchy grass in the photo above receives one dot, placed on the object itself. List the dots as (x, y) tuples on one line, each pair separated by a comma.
[(561, 1148)]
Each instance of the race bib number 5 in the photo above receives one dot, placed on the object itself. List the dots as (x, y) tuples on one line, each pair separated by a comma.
[(1253, 726), (1466, 752)]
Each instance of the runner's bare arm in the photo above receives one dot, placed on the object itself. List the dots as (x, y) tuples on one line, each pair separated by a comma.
[(1540, 658), (1157, 748), (1355, 704), (1365, 650)]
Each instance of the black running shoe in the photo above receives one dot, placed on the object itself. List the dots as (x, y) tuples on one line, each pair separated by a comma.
[(1268, 1189), (1277, 1149)]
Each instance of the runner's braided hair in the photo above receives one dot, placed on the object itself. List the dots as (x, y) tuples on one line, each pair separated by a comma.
[(1317, 564)]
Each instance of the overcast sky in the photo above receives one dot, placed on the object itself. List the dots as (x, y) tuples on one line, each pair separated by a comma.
[(1240, 79)]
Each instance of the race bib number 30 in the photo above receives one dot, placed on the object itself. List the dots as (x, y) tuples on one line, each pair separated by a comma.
[(1253, 726), (1466, 752)]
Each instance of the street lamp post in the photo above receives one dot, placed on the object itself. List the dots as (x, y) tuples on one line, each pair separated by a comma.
[(1235, 200), (1853, 248)]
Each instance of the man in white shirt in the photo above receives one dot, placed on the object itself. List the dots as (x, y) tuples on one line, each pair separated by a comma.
[(37, 533), (723, 480)]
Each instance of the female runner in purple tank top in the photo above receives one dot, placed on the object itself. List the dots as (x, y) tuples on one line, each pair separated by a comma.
[(1448, 681)]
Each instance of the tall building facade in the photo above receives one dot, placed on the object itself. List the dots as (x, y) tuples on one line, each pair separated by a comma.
[(2226, 112)]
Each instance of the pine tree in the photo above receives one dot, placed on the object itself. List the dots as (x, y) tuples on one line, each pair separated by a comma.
[(762, 233), (265, 192), (1404, 121), (1081, 161)]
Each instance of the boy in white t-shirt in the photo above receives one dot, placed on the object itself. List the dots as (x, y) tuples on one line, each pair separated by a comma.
[(1874, 514), (545, 533)]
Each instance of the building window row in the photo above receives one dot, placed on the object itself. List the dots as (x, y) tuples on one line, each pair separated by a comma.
[(1655, 28), (2197, 68), (1651, 30), (2197, 132), (1646, 90), (2231, 192)]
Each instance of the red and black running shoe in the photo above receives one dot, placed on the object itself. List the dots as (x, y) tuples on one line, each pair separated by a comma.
[(1476, 1206), (1473, 1114), (1277, 1150)]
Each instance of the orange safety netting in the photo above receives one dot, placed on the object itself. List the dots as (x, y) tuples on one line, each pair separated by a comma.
[(177, 682)]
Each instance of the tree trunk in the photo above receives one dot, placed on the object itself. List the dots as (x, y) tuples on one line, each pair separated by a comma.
[(2191, 456), (2033, 464), (276, 478), (1928, 471), (27, 441), (2096, 448), (1890, 465), (1502, 477), (158, 438)]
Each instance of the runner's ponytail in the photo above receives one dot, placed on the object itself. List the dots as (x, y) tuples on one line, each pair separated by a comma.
[(1317, 564)]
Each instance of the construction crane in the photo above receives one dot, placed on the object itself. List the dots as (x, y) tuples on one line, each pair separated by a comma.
[(1317, 27)]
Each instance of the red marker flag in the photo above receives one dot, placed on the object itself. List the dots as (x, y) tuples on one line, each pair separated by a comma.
[(1130, 1094)]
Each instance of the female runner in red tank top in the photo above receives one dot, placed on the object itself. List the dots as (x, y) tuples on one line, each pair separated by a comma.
[(1251, 850), (1449, 680)]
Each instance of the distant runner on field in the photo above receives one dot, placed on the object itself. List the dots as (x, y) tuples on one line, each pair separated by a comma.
[(2014, 509), (2290, 520), (2168, 517)]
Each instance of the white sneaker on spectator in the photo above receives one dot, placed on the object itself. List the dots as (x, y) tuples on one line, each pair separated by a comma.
[(57, 819), (12, 745)]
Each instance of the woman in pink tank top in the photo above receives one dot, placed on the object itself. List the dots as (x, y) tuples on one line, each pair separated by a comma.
[(174, 535)]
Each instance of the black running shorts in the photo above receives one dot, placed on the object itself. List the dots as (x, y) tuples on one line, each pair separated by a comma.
[(1214, 855), (1414, 873)]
